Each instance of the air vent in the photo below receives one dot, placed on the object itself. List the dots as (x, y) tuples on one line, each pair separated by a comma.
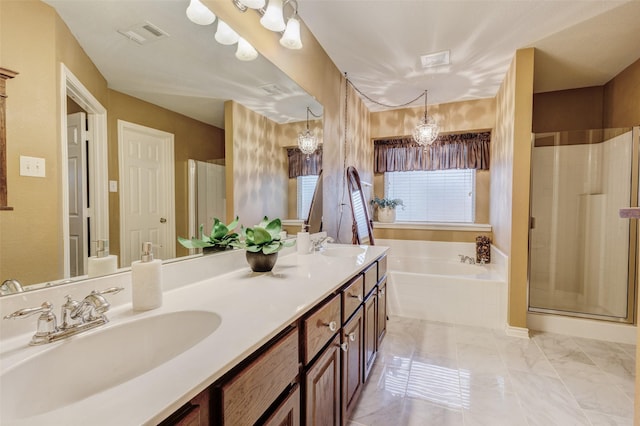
[(435, 59), (144, 33), (272, 89)]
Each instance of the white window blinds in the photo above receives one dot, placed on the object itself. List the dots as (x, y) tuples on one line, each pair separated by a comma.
[(306, 187), (433, 196)]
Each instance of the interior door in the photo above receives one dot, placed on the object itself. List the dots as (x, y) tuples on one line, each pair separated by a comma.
[(147, 206), (78, 195)]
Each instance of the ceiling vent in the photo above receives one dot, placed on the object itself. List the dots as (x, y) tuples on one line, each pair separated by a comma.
[(435, 59), (272, 89), (143, 33)]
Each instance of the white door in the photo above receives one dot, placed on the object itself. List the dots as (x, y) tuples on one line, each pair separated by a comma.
[(78, 196), (147, 200)]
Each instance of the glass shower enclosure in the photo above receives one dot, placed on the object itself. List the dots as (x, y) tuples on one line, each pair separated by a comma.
[(581, 253)]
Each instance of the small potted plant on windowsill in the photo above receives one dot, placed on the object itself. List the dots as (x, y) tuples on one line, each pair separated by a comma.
[(386, 208), (262, 243), (220, 239)]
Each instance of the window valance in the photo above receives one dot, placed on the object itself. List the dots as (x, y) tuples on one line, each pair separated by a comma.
[(302, 164), (453, 151)]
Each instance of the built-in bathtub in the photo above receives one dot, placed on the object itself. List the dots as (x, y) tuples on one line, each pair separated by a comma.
[(426, 280)]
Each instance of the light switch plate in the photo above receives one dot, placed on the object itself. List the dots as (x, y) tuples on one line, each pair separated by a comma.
[(113, 186), (32, 166)]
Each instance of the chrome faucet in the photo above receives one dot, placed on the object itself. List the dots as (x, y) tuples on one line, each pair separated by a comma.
[(318, 244), (11, 286), (76, 316), (465, 259)]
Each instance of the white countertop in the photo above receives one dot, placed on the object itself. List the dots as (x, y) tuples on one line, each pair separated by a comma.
[(253, 307)]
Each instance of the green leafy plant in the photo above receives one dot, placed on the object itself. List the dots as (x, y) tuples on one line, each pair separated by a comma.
[(264, 237), (387, 202), (221, 236)]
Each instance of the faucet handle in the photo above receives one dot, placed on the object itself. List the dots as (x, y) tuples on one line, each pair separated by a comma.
[(110, 290), (45, 308)]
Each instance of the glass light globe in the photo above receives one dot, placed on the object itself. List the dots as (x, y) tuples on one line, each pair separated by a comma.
[(273, 18), (245, 51), (291, 37), (225, 35), (253, 4), (199, 14)]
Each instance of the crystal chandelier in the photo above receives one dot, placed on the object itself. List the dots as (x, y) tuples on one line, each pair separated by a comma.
[(307, 140), (427, 130)]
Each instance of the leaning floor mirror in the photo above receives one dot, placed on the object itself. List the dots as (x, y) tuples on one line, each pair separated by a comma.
[(362, 225)]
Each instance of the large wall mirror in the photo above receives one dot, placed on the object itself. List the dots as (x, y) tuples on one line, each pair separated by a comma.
[(159, 78)]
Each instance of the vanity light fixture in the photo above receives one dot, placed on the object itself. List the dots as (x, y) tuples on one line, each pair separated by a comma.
[(426, 132), (245, 51), (307, 140), (200, 14), (225, 35), (273, 18)]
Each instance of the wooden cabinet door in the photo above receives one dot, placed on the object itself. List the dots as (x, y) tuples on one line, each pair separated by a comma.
[(322, 388), (382, 310), (288, 413), (370, 332), (352, 362), (194, 413)]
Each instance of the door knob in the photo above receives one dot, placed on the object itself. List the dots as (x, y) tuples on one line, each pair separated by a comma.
[(163, 220)]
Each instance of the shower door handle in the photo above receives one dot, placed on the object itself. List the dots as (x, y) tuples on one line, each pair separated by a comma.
[(532, 222)]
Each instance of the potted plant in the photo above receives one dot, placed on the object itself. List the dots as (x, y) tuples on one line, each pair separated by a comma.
[(386, 208), (262, 243), (220, 239)]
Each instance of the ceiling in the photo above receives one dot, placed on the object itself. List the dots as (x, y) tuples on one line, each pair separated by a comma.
[(188, 71), (378, 43)]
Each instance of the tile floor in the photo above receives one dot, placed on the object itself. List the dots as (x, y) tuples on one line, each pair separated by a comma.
[(429, 373)]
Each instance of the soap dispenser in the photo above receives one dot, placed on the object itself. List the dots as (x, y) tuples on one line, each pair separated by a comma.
[(146, 280), (102, 263)]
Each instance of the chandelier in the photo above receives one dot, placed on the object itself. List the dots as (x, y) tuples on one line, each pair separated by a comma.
[(427, 130), (307, 140)]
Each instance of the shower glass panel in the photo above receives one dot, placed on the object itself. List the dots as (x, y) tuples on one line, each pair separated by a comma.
[(581, 253)]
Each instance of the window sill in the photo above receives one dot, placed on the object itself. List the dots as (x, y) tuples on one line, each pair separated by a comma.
[(435, 226)]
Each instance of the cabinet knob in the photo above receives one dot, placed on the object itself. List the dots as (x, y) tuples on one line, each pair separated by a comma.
[(357, 296), (344, 347), (381, 292), (352, 337), (333, 326)]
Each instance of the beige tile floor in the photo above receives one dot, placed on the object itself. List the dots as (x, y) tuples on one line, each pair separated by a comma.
[(429, 373)]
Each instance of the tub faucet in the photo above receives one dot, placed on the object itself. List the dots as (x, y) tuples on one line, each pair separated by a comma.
[(466, 259), (320, 243), (11, 286)]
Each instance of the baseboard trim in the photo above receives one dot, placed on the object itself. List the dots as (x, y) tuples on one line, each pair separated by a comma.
[(520, 332), (583, 327)]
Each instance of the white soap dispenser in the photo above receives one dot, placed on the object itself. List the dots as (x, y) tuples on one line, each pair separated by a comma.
[(102, 263), (146, 280)]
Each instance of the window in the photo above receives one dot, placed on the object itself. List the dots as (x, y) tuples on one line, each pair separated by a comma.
[(433, 196), (306, 187)]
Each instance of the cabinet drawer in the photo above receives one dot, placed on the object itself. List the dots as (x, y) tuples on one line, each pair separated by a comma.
[(352, 297), (251, 392), (370, 278), (288, 412), (320, 327), (382, 267)]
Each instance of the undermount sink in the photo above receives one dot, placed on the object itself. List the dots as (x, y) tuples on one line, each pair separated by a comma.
[(353, 251), (84, 365)]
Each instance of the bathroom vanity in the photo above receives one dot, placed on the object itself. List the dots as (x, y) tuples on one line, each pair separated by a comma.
[(293, 346)]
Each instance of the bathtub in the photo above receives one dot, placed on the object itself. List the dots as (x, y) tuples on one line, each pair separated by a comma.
[(427, 281)]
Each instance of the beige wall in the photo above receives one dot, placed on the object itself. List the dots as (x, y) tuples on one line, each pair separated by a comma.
[(259, 175), (622, 98), (33, 40), (510, 168), (574, 109), (192, 140)]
